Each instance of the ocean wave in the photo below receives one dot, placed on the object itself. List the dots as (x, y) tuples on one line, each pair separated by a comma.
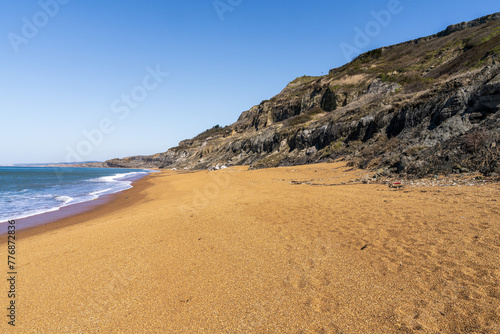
[(99, 192), (117, 177), (27, 203), (64, 199), (45, 196), (31, 213)]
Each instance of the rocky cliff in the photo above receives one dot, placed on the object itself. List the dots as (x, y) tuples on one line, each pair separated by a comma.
[(425, 106)]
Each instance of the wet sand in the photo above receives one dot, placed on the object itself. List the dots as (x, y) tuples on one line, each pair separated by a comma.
[(251, 251)]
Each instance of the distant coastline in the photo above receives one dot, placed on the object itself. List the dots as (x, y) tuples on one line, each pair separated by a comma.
[(89, 164)]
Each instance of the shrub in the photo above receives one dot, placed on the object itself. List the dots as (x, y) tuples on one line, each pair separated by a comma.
[(215, 130), (303, 118), (386, 78), (299, 119), (315, 111)]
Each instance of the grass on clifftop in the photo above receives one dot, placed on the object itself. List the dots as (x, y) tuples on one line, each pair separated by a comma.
[(418, 63), (305, 79), (214, 131)]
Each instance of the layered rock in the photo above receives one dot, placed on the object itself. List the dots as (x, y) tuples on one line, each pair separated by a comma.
[(425, 106)]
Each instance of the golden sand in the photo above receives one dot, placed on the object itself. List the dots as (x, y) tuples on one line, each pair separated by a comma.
[(238, 251)]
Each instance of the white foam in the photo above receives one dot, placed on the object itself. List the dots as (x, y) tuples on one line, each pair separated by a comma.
[(117, 177), (64, 199), (30, 213), (116, 181), (99, 192), (45, 196)]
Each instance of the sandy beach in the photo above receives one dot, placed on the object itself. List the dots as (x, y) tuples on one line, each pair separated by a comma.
[(281, 250)]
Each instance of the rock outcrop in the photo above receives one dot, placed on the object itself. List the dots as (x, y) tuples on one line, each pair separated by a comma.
[(426, 106)]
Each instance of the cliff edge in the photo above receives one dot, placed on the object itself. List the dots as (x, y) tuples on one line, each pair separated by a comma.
[(421, 107)]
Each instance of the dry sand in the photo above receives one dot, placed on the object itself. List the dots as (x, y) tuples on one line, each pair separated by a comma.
[(235, 251)]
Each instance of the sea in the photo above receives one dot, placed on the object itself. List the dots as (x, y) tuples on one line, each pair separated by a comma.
[(28, 191)]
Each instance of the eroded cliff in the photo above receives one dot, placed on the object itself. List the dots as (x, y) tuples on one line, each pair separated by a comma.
[(425, 106)]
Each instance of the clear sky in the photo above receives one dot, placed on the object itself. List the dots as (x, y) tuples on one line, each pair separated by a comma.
[(87, 80)]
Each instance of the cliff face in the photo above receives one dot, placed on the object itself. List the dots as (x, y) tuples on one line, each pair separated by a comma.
[(425, 106)]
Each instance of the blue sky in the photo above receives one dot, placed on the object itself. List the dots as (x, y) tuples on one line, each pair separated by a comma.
[(86, 80)]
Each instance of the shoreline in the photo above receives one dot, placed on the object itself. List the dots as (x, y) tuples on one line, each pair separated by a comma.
[(49, 220), (270, 250)]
